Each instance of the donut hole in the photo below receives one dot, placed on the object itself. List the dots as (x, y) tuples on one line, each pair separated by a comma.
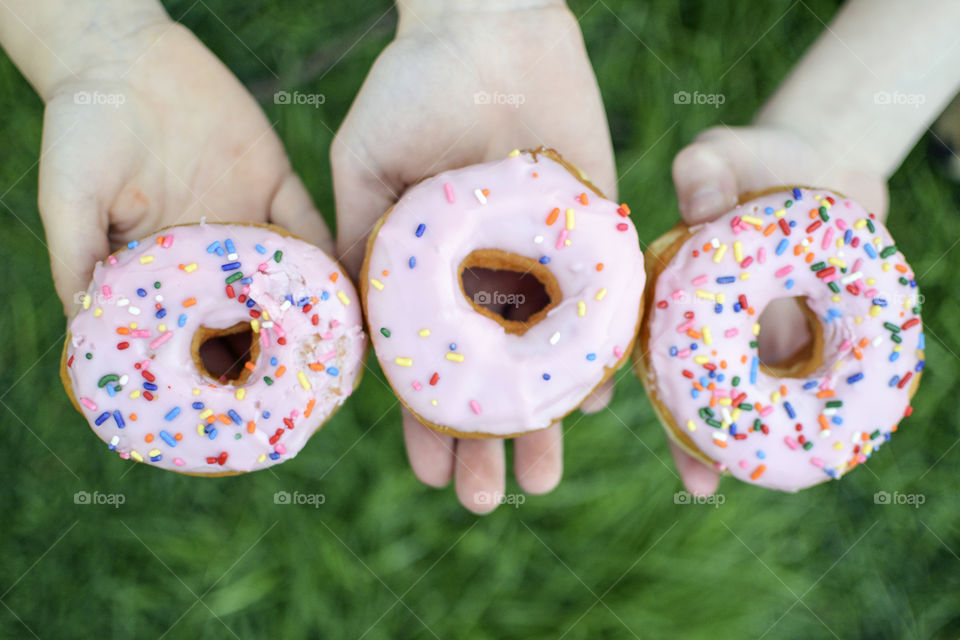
[(223, 354), (789, 343), (515, 291)]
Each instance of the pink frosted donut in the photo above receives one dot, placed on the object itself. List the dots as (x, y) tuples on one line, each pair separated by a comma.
[(795, 424), (463, 369), (214, 349)]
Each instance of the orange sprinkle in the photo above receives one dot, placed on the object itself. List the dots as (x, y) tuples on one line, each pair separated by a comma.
[(189, 302), (783, 390), (809, 257), (248, 365), (813, 213), (698, 386), (693, 334), (553, 216), (822, 419), (280, 371), (797, 249), (713, 401), (720, 443), (148, 437), (159, 239), (857, 353), (758, 472), (769, 230), (251, 426), (536, 175), (179, 436), (309, 409), (723, 364), (900, 268), (758, 406), (334, 276), (123, 331), (826, 393), (486, 192), (225, 419), (211, 419), (864, 436), (133, 417), (750, 311), (743, 359), (864, 342), (316, 366), (583, 199), (599, 266), (707, 247)]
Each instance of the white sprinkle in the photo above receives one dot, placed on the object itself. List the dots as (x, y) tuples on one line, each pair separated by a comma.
[(124, 379), (285, 305), (555, 338), (122, 302), (133, 311), (482, 199), (537, 239), (232, 256), (853, 277), (877, 341), (115, 440), (158, 298), (715, 243)]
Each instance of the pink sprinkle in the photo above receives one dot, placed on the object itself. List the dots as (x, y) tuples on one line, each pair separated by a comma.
[(857, 265), (847, 204), (124, 455), (145, 364), (720, 393), (328, 355), (140, 333), (294, 414), (112, 259), (448, 189), (686, 325), (735, 223), (729, 333), (834, 276), (743, 464), (746, 262), (262, 267), (827, 237), (782, 271), (679, 293), (841, 223), (277, 329), (328, 335), (106, 291), (617, 352), (845, 345), (475, 406), (817, 462), (762, 255), (166, 335), (562, 239), (167, 241), (870, 293), (417, 386), (179, 462), (791, 443), (264, 338), (767, 410), (826, 383), (88, 403), (280, 448), (334, 324), (683, 353), (699, 280)]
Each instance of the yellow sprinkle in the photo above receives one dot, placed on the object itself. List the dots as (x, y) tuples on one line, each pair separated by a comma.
[(706, 295), (433, 402), (266, 314), (196, 392), (725, 402), (775, 397), (875, 311), (190, 268), (745, 275), (162, 328), (721, 297), (135, 394), (837, 366), (885, 266), (871, 281), (839, 242), (581, 308), (255, 325), (897, 347), (600, 294), (691, 425), (867, 448), (303, 381), (200, 428), (756, 328), (707, 339), (718, 256), (752, 220), (154, 452), (780, 213), (404, 362), (376, 283), (837, 262), (133, 325), (86, 301), (838, 445), (701, 359), (240, 394), (424, 333), (566, 242), (735, 414), (456, 357), (97, 312), (860, 224), (835, 298), (206, 413), (343, 298), (514, 153), (146, 260), (136, 454), (738, 251), (570, 219), (262, 457)]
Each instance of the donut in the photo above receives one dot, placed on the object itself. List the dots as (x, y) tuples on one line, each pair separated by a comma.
[(213, 349), (457, 364), (815, 416)]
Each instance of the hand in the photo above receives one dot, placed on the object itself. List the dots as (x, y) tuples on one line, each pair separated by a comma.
[(723, 163), (160, 134), (423, 109)]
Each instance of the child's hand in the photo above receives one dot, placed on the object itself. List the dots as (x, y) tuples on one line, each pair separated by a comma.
[(155, 133), (458, 87)]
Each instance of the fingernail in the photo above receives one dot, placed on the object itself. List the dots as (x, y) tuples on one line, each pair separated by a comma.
[(706, 202)]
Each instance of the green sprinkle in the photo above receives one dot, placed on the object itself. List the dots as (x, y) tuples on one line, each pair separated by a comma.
[(788, 204), (714, 423), (89, 356), (889, 251), (233, 278), (834, 287), (834, 404), (706, 412), (807, 445), (757, 425), (891, 327), (277, 255), (746, 406), (268, 380), (875, 434), (237, 436), (870, 226), (818, 266), (896, 338), (904, 281), (823, 214), (385, 332), (110, 377), (736, 381), (156, 285), (754, 344)]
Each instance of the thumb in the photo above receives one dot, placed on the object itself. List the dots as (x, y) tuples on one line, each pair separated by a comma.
[(705, 181), (293, 209)]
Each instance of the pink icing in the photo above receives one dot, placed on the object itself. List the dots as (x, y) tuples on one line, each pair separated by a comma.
[(257, 424), (505, 383), (864, 367)]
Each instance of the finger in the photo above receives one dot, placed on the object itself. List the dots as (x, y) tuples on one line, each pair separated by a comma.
[(599, 398), (538, 459), (361, 197), (698, 478), (430, 453), (293, 209), (705, 182), (480, 473)]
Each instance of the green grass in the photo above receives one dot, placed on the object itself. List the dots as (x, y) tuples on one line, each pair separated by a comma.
[(608, 553)]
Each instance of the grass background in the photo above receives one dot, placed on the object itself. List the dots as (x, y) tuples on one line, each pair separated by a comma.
[(608, 554)]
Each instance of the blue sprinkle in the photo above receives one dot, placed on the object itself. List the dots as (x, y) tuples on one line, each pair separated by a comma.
[(922, 341), (733, 428), (834, 313), (230, 266), (234, 416), (831, 473), (111, 390), (169, 439), (920, 365), (420, 229), (726, 279), (288, 297), (274, 456), (221, 252), (333, 371), (848, 236), (103, 417), (197, 405), (250, 302), (782, 246), (796, 194), (810, 385), (893, 381), (880, 302), (173, 413), (142, 293), (213, 247), (694, 346), (694, 393), (718, 308), (160, 313), (213, 433), (736, 307), (857, 377), (836, 420), (789, 283), (894, 356), (790, 411), (182, 320), (412, 262), (260, 248), (230, 247), (591, 357), (303, 301), (712, 374), (119, 418), (453, 346), (793, 223), (720, 377), (133, 244), (673, 351), (246, 280), (325, 295), (768, 211), (266, 415), (703, 381), (546, 376), (913, 284), (754, 368), (149, 386), (869, 249)]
